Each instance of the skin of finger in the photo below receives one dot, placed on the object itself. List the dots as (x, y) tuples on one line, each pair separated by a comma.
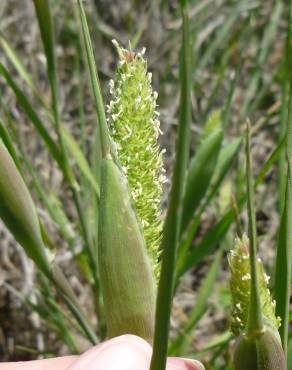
[(60, 363), (124, 353), (127, 352), (175, 363)]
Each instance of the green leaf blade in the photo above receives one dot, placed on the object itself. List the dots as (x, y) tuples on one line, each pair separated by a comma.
[(200, 172), (284, 248), (173, 219)]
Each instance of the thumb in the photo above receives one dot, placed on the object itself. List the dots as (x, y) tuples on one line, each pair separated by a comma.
[(126, 352)]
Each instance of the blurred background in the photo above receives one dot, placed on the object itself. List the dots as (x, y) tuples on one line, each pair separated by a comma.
[(238, 68)]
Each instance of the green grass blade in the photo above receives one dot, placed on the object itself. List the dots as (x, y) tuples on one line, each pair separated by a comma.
[(103, 129), (267, 41), (51, 203), (96, 165), (16, 61), (205, 247), (79, 158), (32, 115), (219, 230), (173, 217), (219, 341), (50, 311), (284, 248), (271, 160), (215, 90), (81, 88), (255, 319), (225, 160), (221, 36), (6, 138), (199, 175), (180, 346), (47, 34), (46, 29), (284, 108), (70, 142), (226, 111), (19, 214)]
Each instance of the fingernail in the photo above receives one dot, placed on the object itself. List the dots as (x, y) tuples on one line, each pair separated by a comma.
[(194, 364)]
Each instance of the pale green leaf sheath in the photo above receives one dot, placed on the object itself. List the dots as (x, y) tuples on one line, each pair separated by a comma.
[(134, 128), (240, 289)]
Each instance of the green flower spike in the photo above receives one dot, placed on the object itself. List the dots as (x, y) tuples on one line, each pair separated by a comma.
[(240, 289), (256, 349), (258, 346), (134, 128)]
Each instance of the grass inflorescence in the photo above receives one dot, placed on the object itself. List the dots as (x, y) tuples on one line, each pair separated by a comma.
[(135, 128)]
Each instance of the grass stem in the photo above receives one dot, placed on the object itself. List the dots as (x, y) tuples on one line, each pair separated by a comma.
[(255, 321), (173, 218)]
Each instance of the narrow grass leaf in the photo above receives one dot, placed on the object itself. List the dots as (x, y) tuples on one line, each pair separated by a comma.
[(284, 107), (255, 319), (46, 29), (199, 176), (32, 115), (47, 34), (219, 230), (226, 157), (7, 140), (98, 101), (16, 61), (14, 58), (220, 37), (174, 213), (52, 313), (51, 203), (205, 247), (80, 159), (18, 212), (269, 36), (70, 142), (181, 344), (44, 17), (284, 248), (271, 160)]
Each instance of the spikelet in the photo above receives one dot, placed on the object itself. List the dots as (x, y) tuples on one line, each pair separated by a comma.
[(240, 289), (134, 128)]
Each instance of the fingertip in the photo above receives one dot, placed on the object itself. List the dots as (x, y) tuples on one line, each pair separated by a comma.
[(175, 363), (136, 341), (126, 352), (59, 363)]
